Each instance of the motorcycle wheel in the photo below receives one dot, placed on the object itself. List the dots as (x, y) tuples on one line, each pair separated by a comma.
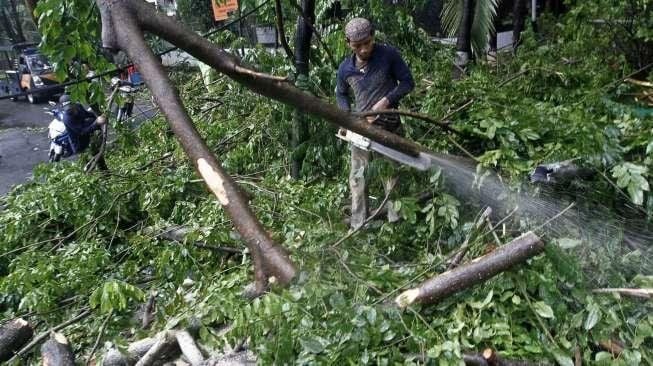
[(33, 99)]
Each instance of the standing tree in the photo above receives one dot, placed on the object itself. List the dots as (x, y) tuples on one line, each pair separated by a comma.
[(302, 53)]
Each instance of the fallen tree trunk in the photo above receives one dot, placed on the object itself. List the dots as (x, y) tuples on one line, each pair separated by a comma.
[(155, 350), (14, 335), (57, 352), (474, 272)]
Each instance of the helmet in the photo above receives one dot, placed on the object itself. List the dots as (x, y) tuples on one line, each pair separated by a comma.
[(64, 99)]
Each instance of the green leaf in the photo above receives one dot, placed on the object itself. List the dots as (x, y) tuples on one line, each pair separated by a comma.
[(313, 344), (543, 310), (562, 359), (592, 317)]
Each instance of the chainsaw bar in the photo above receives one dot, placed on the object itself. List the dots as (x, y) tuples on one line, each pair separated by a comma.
[(422, 161)]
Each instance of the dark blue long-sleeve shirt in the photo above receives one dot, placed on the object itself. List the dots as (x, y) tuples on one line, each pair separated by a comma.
[(385, 75), (79, 123)]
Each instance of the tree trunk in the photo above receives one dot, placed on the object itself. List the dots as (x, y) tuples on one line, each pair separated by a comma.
[(30, 5), (19, 26), (428, 17), (302, 53), (464, 41), (269, 258), (6, 24), (57, 352), (474, 272), (518, 20), (13, 336)]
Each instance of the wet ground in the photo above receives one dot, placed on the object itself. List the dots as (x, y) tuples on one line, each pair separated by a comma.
[(24, 142)]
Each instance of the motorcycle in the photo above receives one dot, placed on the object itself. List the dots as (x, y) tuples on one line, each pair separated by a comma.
[(61, 141)]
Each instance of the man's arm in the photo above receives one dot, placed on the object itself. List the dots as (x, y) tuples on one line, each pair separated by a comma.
[(342, 91), (401, 73)]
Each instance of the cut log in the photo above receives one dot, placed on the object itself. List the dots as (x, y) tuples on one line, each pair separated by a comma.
[(165, 349), (14, 335), (57, 352), (474, 272), (643, 293), (113, 357), (189, 348)]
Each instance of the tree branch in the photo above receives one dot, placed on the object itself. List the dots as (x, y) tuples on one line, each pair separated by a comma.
[(130, 39), (282, 32)]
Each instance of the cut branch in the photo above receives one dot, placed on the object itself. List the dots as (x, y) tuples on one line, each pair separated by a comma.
[(14, 335), (474, 272), (165, 348), (189, 348), (444, 125), (57, 352), (643, 293)]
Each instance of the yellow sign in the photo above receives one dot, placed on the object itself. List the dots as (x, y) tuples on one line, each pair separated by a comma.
[(221, 11)]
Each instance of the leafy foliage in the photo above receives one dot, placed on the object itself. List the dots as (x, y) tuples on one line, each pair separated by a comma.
[(69, 240)]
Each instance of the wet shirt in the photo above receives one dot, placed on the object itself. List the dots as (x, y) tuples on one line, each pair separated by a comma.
[(385, 75)]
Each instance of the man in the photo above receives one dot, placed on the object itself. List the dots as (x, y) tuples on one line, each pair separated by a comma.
[(72, 134), (378, 78)]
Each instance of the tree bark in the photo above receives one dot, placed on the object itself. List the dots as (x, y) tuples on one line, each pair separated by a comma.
[(57, 352), (123, 31), (302, 56), (464, 41), (6, 24), (474, 272), (165, 349), (31, 5), (19, 27), (281, 31), (189, 348), (14, 335), (518, 21)]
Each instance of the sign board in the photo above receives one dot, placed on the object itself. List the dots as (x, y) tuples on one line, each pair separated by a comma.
[(222, 8)]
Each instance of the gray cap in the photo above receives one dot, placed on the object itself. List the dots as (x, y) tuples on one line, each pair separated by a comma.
[(358, 29)]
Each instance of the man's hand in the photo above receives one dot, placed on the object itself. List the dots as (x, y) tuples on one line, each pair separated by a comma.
[(383, 103), (101, 120)]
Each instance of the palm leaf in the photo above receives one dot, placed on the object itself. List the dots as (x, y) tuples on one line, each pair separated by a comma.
[(483, 24), (452, 13)]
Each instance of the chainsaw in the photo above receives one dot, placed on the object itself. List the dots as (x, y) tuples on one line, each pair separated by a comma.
[(422, 161)]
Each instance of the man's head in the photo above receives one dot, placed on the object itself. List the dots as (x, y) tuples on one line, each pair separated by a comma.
[(360, 37)]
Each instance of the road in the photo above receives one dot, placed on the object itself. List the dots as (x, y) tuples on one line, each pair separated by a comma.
[(24, 139)]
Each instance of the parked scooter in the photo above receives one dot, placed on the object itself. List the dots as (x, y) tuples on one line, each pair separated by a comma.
[(63, 143), (60, 144)]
